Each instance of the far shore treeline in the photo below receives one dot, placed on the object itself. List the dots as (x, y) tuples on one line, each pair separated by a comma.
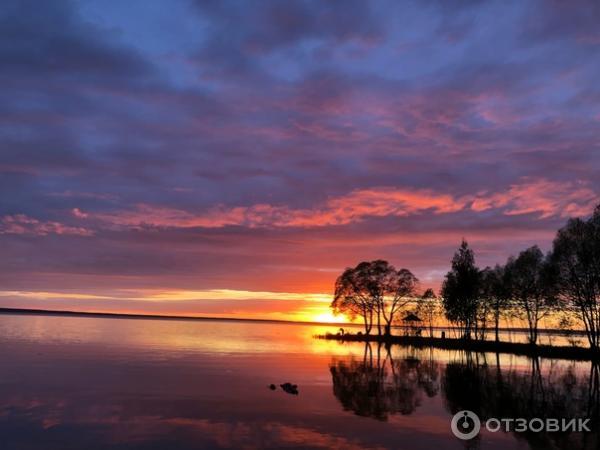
[(529, 286)]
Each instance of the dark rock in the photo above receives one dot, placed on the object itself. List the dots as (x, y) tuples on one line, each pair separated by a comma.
[(290, 388)]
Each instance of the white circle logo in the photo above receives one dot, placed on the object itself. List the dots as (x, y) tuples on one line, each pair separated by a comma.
[(465, 425)]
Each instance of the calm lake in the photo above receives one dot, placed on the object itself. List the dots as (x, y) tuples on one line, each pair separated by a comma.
[(96, 383)]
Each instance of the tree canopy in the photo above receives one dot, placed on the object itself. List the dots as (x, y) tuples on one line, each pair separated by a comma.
[(531, 286), (576, 259), (461, 289), (374, 291)]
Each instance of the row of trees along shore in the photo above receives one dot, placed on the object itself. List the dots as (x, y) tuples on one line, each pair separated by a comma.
[(531, 286)]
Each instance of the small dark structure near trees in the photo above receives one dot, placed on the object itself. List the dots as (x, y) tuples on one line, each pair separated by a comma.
[(413, 324)]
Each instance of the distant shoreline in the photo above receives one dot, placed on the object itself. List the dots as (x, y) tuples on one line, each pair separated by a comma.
[(49, 312), (513, 348)]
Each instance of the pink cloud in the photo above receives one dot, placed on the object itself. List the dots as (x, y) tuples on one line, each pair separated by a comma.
[(79, 213), (22, 224), (342, 210), (150, 215), (543, 197)]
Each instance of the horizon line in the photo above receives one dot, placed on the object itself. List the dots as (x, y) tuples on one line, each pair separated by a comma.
[(115, 315), (110, 315)]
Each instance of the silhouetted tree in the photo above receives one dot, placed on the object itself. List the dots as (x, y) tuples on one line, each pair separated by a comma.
[(531, 288), (576, 256), (461, 290), (353, 295), (428, 307), (373, 290), (399, 289), (495, 292)]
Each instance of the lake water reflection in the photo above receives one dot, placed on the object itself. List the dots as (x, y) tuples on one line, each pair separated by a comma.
[(75, 383)]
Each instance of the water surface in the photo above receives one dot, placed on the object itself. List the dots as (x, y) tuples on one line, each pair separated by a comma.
[(96, 383)]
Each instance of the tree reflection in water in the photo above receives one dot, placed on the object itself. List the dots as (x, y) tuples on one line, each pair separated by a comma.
[(379, 385), (559, 392)]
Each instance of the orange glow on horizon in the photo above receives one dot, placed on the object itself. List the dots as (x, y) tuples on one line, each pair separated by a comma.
[(328, 317), (217, 303)]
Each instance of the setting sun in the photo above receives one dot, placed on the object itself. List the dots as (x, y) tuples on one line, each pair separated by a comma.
[(328, 317)]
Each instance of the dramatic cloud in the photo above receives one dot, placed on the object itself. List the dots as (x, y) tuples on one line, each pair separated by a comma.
[(200, 145), (359, 204), (565, 199), (541, 197)]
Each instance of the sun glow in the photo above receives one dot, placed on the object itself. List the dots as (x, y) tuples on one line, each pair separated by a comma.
[(328, 317), (228, 294), (221, 303)]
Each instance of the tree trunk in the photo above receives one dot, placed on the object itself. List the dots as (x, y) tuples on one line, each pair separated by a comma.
[(388, 329), (497, 323)]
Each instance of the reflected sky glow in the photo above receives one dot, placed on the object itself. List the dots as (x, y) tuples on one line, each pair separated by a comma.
[(138, 384)]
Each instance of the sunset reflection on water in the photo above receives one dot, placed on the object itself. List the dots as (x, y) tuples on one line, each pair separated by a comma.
[(72, 382)]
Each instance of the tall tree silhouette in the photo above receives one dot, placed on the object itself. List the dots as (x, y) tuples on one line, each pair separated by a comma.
[(576, 256), (495, 292), (428, 307), (461, 290), (531, 287), (353, 296), (399, 290)]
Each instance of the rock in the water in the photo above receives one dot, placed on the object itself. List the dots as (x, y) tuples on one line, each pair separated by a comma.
[(290, 388)]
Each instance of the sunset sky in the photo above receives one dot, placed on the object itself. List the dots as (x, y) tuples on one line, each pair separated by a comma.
[(232, 158)]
